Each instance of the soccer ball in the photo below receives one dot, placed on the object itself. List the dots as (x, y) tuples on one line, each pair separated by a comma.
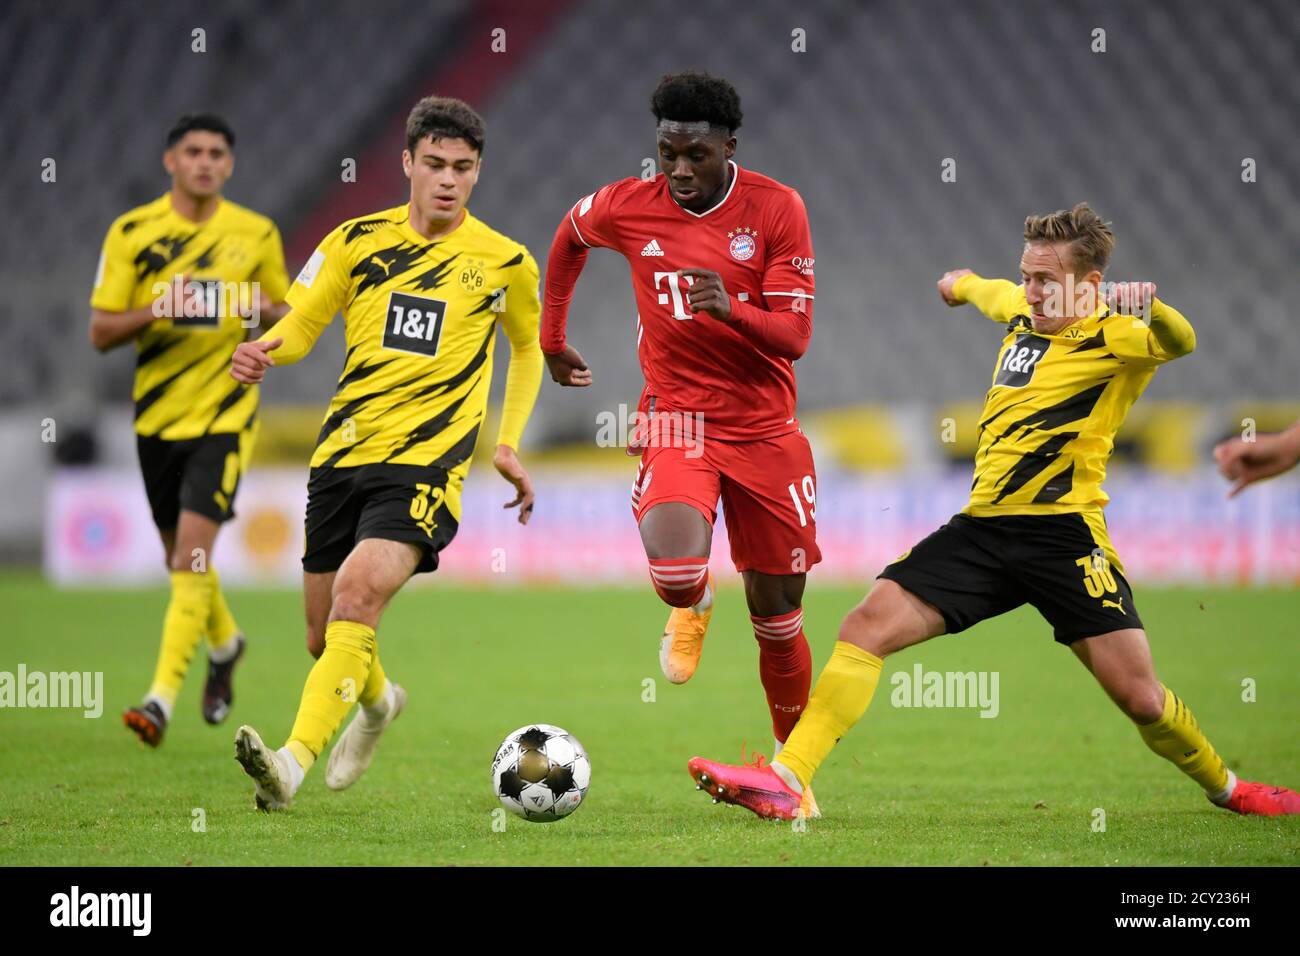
[(541, 773)]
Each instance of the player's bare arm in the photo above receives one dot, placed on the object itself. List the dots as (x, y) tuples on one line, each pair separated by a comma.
[(108, 329), (1246, 462)]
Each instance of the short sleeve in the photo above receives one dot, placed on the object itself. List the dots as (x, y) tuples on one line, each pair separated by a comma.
[(115, 274), (321, 288)]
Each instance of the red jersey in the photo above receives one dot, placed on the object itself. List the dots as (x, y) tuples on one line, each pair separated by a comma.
[(738, 375)]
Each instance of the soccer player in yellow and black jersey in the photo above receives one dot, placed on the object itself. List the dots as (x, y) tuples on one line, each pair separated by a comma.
[(422, 288), (185, 277), (1074, 358)]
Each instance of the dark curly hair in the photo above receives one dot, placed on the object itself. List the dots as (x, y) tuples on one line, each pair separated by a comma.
[(692, 96), (207, 122), (443, 117)]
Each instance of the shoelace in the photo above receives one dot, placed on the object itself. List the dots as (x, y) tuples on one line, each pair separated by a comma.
[(758, 759), (686, 640)]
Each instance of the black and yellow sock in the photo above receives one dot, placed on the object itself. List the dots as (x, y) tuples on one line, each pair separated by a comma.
[(183, 626), (1177, 737), (333, 686), (222, 628), (842, 694)]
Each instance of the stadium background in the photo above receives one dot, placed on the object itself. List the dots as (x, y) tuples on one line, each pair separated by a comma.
[(1153, 133)]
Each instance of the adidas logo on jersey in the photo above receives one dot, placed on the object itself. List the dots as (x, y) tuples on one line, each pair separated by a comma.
[(652, 248)]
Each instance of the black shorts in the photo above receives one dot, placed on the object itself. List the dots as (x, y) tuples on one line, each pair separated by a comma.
[(197, 474), (394, 502), (973, 569)]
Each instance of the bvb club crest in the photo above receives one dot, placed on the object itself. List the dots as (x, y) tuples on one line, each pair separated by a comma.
[(472, 278), (744, 243)]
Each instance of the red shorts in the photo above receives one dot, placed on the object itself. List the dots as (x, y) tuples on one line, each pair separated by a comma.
[(768, 490)]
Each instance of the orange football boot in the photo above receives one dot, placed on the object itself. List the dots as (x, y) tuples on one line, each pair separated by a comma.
[(683, 640)]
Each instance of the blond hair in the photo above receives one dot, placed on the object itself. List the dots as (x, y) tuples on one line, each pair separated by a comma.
[(1091, 241)]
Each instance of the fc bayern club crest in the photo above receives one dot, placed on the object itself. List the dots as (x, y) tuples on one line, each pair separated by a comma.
[(744, 243)]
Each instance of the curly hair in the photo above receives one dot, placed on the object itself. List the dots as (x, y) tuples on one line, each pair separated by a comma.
[(443, 117), (692, 96)]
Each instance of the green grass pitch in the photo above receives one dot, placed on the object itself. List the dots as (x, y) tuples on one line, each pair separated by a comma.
[(907, 786)]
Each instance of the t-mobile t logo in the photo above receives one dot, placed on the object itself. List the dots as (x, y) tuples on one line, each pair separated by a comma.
[(675, 291)]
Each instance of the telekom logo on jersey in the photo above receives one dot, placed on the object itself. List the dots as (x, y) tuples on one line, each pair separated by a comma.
[(674, 290)]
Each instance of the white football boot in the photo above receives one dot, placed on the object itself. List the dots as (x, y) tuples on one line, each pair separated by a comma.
[(275, 781), (356, 745)]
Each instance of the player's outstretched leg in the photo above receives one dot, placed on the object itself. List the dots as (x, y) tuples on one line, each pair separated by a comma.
[(381, 702), (365, 583), (669, 530), (1121, 662), (225, 648), (331, 688), (889, 620)]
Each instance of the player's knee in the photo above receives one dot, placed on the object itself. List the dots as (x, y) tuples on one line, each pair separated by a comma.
[(182, 560), (315, 641), (354, 602), (1143, 703), (866, 628)]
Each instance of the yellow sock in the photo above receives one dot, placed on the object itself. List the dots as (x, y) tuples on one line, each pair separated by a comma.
[(843, 693), (333, 686), (221, 623), (374, 688), (1177, 737), (183, 626)]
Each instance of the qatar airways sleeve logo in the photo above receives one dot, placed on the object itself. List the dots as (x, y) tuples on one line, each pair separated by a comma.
[(804, 264)]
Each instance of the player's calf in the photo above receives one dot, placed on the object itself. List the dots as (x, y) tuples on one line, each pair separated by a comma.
[(784, 668)]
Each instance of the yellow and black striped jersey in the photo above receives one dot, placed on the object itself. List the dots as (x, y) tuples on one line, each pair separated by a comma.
[(419, 317), (182, 386), (1050, 417)]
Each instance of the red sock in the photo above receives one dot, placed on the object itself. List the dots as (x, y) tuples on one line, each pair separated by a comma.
[(680, 581), (785, 668)]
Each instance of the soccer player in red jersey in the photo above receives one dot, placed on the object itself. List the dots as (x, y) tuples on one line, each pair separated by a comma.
[(722, 268)]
